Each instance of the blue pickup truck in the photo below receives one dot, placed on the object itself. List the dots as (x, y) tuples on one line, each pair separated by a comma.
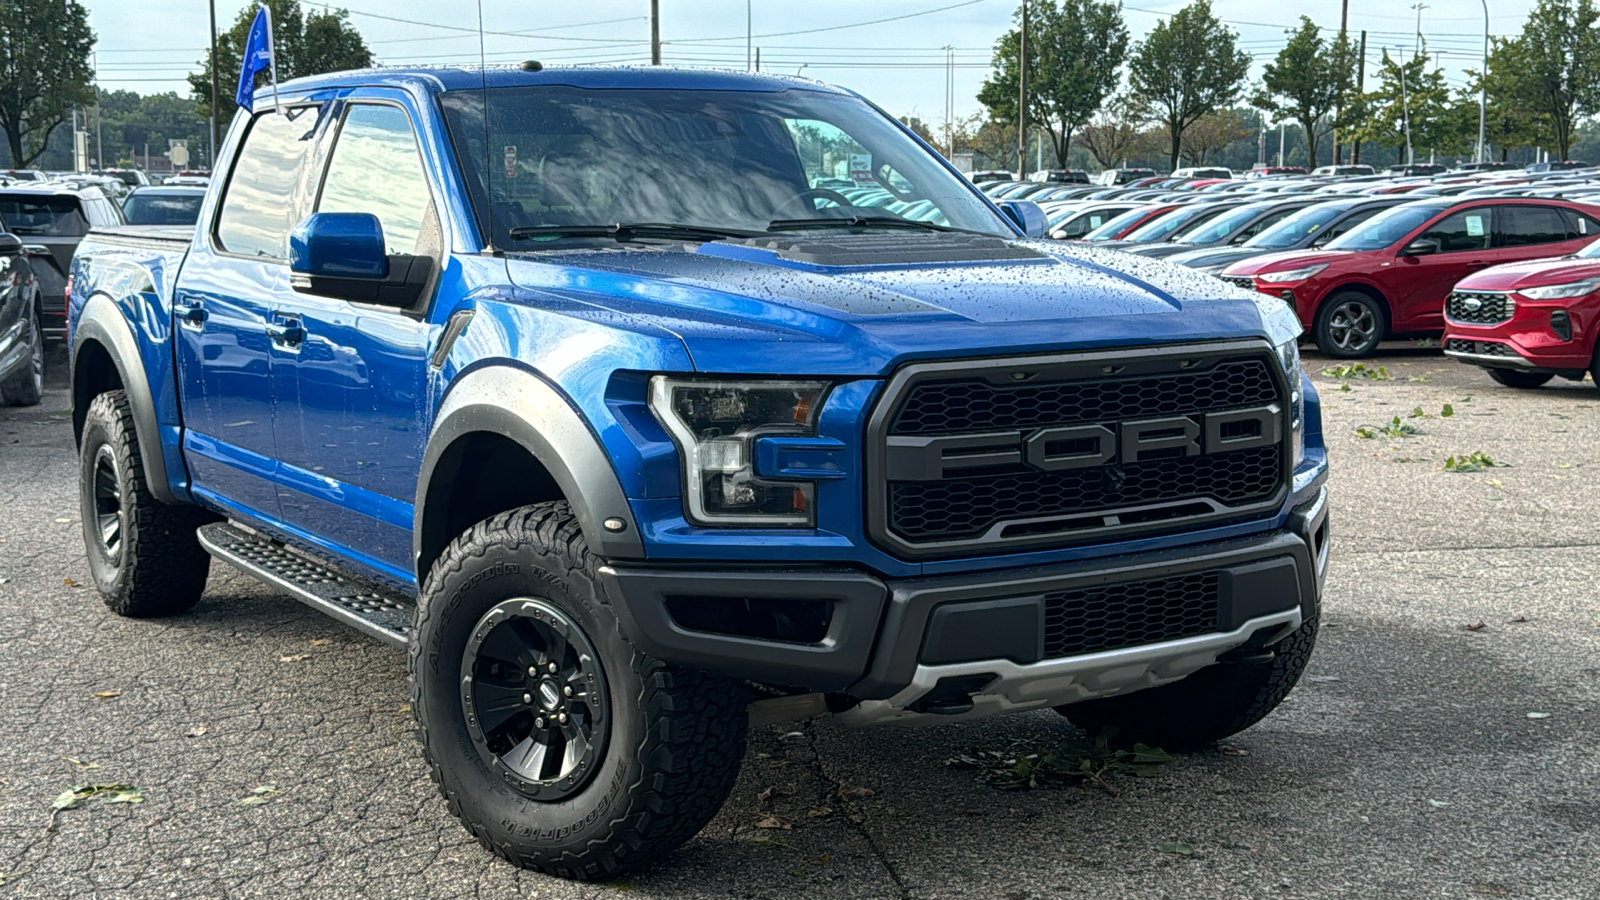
[(597, 391)]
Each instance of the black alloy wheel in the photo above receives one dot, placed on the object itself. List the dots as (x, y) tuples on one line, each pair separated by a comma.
[(1349, 326), (106, 491), (534, 696)]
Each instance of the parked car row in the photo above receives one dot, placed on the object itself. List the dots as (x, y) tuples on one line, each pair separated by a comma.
[(1503, 264)]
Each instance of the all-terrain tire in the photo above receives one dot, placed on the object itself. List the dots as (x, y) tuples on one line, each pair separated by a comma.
[(1522, 380), (1213, 703), (25, 387), (157, 566), (676, 736)]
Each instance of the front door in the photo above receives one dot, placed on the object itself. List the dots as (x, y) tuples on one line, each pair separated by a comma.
[(350, 425), (1464, 238), (223, 308)]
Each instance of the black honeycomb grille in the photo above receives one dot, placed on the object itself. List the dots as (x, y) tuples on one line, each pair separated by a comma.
[(1090, 620), (1479, 308), (1243, 281), (953, 407), (958, 508), (1480, 348)]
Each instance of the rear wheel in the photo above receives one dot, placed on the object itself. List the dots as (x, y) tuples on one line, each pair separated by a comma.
[(555, 741), (1349, 325), (143, 554), (25, 387), (1515, 379), (1213, 703)]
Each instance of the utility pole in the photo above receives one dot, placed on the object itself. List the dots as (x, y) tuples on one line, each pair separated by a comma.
[(655, 32), (1344, 66), (1261, 143), (1280, 143), (1022, 97), (1405, 109), (1483, 82), (749, 35), (211, 151), (1361, 85), (99, 145), (1419, 6), (949, 102)]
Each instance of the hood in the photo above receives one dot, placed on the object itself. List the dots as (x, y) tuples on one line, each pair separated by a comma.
[(1531, 273), (1162, 250), (1284, 260), (741, 307), (1209, 257)]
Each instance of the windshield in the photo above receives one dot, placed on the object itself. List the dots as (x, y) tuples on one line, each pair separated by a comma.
[(49, 216), (1217, 230), (1170, 223), (1592, 251), (162, 209), (1114, 227), (1298, 228), (1385, 228), (733, 161)]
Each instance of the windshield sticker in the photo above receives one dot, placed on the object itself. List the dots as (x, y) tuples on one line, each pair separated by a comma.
[(1475, 226)]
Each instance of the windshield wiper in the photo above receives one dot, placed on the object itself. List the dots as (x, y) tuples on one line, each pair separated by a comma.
[(859, 222), (627, 232)]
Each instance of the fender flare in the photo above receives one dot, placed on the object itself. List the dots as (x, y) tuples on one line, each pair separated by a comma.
[(102, 321), (522, 406)]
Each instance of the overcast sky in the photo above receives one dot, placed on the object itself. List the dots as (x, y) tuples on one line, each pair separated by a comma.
[(148, 46)]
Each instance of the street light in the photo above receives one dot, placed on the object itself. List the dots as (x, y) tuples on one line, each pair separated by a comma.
[(801, 69), (1483, 81)]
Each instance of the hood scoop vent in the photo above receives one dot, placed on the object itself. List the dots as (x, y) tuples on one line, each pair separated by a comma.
[(891, 249)]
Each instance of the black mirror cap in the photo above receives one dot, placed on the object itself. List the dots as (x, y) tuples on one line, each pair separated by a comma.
[(10, 244), (1420, 247)]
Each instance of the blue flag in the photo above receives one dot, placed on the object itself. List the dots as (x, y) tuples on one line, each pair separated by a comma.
[(257, 58)]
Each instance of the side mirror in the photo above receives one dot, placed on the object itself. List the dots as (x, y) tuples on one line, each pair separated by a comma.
[(10, 244), (1420, 247), (342, 255), (1026, 215)]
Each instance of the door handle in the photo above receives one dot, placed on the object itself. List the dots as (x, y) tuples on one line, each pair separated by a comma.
[(287, 332), (192, 315)]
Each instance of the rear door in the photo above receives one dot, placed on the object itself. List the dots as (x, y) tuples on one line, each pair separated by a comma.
[(1527, 231), (1465, 238), (350, 421), (223, 305)]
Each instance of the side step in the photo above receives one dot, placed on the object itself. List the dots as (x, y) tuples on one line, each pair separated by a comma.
[(355, 601)]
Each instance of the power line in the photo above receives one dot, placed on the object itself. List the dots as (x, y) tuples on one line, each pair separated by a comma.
[(740, 37)]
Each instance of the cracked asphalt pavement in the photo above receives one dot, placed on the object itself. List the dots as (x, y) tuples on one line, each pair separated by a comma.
[(1410, 762)]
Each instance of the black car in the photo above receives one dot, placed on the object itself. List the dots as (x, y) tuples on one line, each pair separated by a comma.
[(1311, 227), (1061, 176), (1415, 169), (51, 219), (21, 334), (169, 204), (1231, 228)]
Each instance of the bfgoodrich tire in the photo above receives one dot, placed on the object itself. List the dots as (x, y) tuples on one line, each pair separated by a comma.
[(1211, 704), (555, 741), (143, 554)]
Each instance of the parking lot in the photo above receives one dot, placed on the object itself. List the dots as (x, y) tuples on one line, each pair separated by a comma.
[(1441, 745)]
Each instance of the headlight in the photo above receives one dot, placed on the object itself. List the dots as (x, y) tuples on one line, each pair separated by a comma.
[(1561, 291), (1288, 354), (1300, 274), (715, 424)]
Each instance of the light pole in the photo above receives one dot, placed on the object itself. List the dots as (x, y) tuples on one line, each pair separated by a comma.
[(211, 151), (749, 36), (949, 102), (801, 69), (1022, 97), (1483, 82)]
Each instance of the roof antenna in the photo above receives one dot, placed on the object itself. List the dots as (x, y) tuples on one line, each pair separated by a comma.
[(488, 155)]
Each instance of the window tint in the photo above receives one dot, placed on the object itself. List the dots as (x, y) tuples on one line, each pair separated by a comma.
[(376, 169), (1523, 225), (163, 209), (1468, 229), (59, 216), (1349, 222), (259, 207), (1580, 226)]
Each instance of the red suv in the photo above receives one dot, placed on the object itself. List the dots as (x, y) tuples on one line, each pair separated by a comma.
[(1390, 275), (1529, 322)]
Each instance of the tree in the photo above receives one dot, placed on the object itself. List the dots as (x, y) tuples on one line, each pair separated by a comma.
[(1556, 66), (1308, 80), (1507, 122), (45, 46), (323, 41), (1116, 133), (1214, 132), (1189, 65), (1416, 87), (1075, 53)]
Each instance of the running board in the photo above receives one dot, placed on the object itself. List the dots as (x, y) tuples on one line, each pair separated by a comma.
[(355, 601)]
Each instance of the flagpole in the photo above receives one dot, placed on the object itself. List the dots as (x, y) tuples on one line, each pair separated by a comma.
[(272, 60)]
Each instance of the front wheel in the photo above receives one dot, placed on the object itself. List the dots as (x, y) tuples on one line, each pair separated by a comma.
[(1213, 703), (556, 742), (1349, 325), (1523, 380)]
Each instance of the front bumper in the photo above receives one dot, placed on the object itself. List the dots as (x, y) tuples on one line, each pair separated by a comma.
[(974, 644), (1530, 340)]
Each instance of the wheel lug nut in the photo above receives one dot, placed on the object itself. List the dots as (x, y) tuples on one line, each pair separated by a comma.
[(533, 671), (552, 668), (567, 690), (563, 718), (539, 722), (527, 698)]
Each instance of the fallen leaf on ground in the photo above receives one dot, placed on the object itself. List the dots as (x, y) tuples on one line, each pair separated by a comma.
[(69, 582), (1182, 848), (295, 658), (1479, 626), (81, 764), (107, 695), (771, 791), (1518, 619), (321, 642), (855, 793), (62, 520), (1438, 804), (11, 876), (261, 793), (1230, 750), (1538, 715), (195, 731), (773, 822), (112, 793), (819, 812)]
